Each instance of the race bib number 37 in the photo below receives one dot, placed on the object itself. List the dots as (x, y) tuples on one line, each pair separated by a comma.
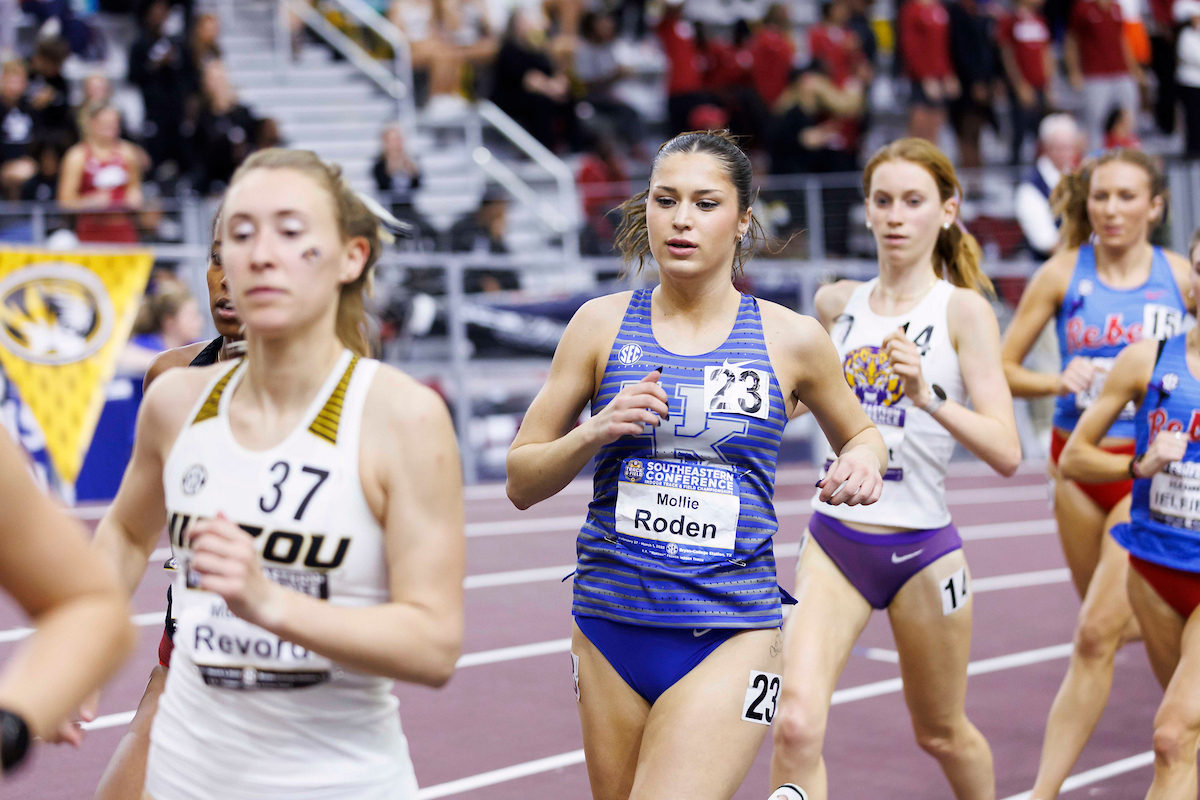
[(677, 510)]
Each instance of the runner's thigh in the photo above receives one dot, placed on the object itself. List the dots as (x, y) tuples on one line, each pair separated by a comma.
[(826, 621), (931, 621), (612, 716), (697, 742)]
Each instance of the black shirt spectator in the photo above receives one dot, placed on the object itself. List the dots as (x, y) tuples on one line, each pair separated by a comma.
[(976, 61), (528, 88), (47, 151), (397, 177), (226, 132), (48, 92), (160, 66), (16, 115)]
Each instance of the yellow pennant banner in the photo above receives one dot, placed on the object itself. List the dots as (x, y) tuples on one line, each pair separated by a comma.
[(64, 319)]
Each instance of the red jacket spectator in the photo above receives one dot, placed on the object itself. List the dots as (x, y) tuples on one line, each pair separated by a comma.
[(834, 46), (1097, 27), (728, 66), (773, 53), (1025, 34), (925, 39), (594, 172), (684, 63)]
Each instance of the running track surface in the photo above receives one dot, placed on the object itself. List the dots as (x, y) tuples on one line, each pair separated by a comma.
[(515, 708)]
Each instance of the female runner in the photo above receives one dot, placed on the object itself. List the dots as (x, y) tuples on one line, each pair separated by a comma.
[(917, 343), (1108, 288), (83, 631), (1163, 539), (677, 609), (126, 773), (311, 557)]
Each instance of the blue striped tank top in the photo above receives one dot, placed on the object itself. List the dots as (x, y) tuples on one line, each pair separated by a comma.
[(679, 530), (1097, 321), (1164, 523)]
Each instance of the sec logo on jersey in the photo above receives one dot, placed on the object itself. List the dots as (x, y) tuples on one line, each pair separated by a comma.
[(630, 354)]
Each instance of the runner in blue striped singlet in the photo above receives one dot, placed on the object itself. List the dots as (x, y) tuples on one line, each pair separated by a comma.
[(921, 346), (676, 646), (1107, 288), (1163, 536)]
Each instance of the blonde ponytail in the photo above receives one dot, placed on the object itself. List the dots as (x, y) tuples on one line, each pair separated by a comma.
[(959, 259)]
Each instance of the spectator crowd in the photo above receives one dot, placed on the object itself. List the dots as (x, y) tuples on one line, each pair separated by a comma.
[(69, 141), (804, 95)]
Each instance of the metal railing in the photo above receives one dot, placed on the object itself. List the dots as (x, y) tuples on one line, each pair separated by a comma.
[(396, 84), (561, 215)]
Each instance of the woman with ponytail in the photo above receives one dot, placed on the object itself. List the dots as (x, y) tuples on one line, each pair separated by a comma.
[(917, 344), (691, 383), (1106, 288), (313, 503)]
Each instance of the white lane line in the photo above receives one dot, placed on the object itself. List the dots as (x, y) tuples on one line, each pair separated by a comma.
[(142, 620), (792, 549), (878, 654), (1008, 530), (514, 653), (1099, 773), (583, 486), (518, 576), (1021, 579), (785, 508), (841, 696), (501, 775), (521, 576), (109, 721)]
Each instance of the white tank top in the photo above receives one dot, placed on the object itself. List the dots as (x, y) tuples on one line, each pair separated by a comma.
[(919, 448), (246, 715)]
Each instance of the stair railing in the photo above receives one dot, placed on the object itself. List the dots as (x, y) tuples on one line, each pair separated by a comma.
[(396, 83)]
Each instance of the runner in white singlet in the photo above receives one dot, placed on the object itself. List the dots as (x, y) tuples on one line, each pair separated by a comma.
[(313, 500), (918, 344)]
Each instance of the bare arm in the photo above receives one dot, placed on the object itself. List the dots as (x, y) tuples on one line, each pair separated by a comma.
[(417, 636), (81, 616), (550, 450), (1071, 60), (133, 192), (861, 454), (1043, 295), (177, 357), (989, 430), (1182, 268), (69, 179), (1082, 459), (127, 534)]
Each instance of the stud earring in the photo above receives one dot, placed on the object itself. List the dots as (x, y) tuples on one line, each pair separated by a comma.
[(946, 227), (868, 224)]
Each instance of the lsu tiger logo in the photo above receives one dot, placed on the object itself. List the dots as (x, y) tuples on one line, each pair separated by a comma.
[(870, 375)]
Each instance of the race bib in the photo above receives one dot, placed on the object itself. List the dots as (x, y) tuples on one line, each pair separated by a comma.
[(677, 510), (232, 653), (1161, 322), (1084, 399), (1175, 495), (737, 389)]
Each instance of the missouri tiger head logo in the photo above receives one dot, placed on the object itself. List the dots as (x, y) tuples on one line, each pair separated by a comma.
[(54, 313), (870, 375)]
